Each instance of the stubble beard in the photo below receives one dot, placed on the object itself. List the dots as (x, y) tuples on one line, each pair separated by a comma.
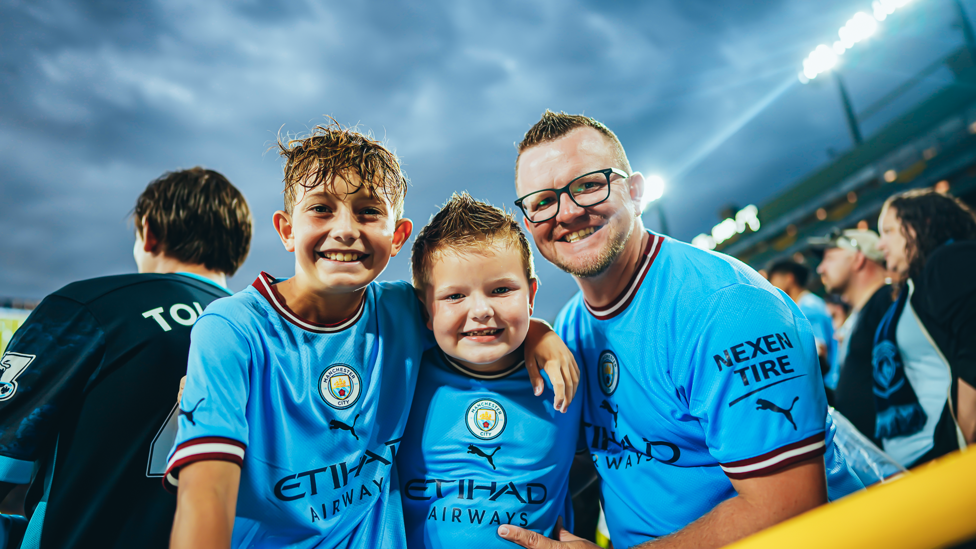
[(605, 258)]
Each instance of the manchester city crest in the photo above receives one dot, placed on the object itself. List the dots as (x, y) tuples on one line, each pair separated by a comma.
[(486, 419), (340, 386), (886, 363), (608, 370)]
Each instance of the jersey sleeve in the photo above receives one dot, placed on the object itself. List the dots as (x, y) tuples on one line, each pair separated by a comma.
[(212, 422), (753, 382), (42, 375)]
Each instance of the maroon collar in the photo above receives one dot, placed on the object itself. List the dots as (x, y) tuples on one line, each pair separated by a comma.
[(265, 285), (620, 303)]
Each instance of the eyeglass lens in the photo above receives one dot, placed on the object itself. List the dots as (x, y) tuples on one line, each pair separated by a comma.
[(586, 191)]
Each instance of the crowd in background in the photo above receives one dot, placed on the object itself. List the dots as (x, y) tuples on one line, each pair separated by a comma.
[(896, 332)]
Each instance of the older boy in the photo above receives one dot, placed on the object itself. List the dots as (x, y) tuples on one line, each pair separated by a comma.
[(480, 450), (89, 407), (298, 390)]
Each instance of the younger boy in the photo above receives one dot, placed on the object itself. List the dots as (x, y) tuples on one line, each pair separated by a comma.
[(298, 390), (480, 450)]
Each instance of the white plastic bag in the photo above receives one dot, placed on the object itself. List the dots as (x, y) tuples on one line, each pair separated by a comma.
[(869, 463)]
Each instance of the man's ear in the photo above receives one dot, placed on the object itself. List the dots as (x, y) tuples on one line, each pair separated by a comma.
[(284, 228), (149, 240), (635, 184), (404, 228), (533, 288), (859, 261)]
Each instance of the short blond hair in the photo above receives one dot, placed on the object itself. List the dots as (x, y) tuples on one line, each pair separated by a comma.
[(465, 224), (331, 150)]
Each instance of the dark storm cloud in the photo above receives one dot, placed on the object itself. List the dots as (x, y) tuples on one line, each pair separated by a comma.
[(101, 97)]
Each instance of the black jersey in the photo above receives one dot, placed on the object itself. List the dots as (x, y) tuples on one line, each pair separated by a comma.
[(88, 407)]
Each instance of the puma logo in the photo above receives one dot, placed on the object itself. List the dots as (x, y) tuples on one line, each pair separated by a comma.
[(189, 415), (605, 405), (336, 424), (472, 449), (763, 404)]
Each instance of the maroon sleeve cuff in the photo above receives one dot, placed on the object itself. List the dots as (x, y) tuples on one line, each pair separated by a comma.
[(777, 459), (201, 449)]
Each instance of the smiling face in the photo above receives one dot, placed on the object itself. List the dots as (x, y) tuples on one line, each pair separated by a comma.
[(479, 302), (342, 239), (893, 242), (580, 241)]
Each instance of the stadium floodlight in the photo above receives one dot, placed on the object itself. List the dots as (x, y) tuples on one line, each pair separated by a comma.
[(653, 191), (858, 28), (729, 227)]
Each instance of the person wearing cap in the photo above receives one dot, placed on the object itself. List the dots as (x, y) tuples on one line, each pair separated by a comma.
[(853, 268)]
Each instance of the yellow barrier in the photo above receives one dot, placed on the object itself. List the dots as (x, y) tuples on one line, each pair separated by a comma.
[(934, 506), (10, 320)]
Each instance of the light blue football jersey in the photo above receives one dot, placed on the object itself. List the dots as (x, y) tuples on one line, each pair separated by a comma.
[(700, 371), (481, 450), (313, 414)]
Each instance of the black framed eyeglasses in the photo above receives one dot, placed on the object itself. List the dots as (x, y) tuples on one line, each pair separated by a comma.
[(586, 190)]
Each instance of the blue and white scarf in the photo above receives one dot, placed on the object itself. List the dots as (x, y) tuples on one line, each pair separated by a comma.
[(898, 410)]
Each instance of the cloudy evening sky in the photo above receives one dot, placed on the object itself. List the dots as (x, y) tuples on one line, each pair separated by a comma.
[(99, 98)]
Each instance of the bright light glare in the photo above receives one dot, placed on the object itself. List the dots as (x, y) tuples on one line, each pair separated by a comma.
[(857, 28), (653, 190), (746, 217)]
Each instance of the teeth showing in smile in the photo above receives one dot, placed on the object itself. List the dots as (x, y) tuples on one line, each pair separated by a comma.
[(488, 332), (580, 234), (336, 256)]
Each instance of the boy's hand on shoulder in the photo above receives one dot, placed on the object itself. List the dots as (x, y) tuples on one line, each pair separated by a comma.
[(545, 350)]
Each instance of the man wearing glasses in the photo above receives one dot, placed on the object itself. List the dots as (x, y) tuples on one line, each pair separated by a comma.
[(703, 406)]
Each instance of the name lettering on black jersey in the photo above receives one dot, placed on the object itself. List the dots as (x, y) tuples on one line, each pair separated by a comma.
[(472, 449), (336, 424), (180, 313), (763, 404)]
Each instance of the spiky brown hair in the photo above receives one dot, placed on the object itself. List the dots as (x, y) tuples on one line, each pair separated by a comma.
[(329, 151), (464, 224), (554, 125)]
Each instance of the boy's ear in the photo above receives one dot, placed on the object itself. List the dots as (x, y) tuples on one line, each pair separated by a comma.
[(404, 228), (533, 287), (282, 224), (149, 240), (424, 309)]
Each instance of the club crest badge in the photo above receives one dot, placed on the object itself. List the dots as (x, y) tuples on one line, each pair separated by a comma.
[(608, 370), (340, 386), (486, 419), (11, 366)]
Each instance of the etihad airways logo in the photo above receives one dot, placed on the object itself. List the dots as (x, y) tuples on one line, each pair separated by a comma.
[(339, 483)]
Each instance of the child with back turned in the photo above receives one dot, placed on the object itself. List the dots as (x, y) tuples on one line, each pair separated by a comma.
[(298, 389), (480, 450)]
